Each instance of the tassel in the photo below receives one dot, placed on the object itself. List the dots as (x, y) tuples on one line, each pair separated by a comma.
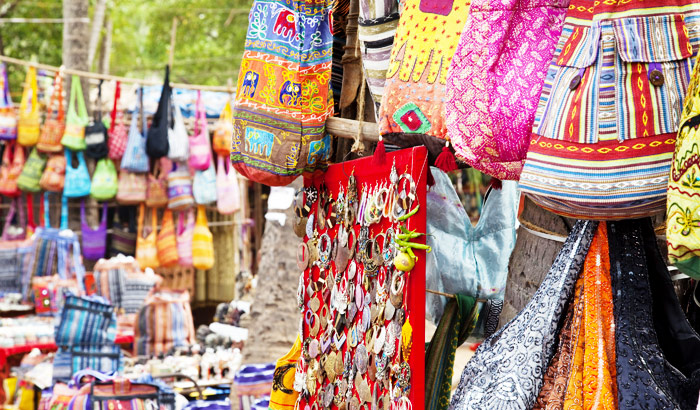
[(496, 183), (446, 160), (379, 157)]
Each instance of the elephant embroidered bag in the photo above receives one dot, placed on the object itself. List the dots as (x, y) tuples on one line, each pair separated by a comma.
[(202, 242), (178, 140), (77, 179), (30, 177), (157, 190), (135, 158), (223, 132), (105, 182), (495, 80), (157, 138), (54, 174), (28, 127), (283, 97), (607, 119), (204, 186), (184, 237), (167, 243), (200, 149), (412, 110), (94, 240), (74, 134), (96, 132), (146, 246), (118, 133), (228, 194), (11, 168), (180, 188), (8, 118), (54, 126)]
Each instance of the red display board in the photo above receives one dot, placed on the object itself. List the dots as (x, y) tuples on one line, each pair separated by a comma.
[(327, 293)]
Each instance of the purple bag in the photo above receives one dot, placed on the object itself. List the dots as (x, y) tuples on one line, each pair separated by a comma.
[(496, 78), (94, 240)]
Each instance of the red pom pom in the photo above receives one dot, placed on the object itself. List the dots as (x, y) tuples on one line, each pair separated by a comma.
[(446, 160), (379, 157)]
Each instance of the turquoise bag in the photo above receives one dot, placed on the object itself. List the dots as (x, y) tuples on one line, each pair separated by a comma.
[(77, 179)]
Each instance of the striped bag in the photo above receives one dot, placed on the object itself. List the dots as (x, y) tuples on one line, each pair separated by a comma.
[(167, 245), (605, 128), (68, 361), (165, 321), (202, 242), (180, 188), (146, 246), (184, 238), (86, 321)]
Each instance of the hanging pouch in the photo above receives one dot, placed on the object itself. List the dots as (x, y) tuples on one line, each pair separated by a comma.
[(8, 118), (74, 134), (54, 126), (118, 133), (11, 168), (28, 128), (157, 140), (178, 140), (96, 132), (104, 181), (77, 179), (200, 150)]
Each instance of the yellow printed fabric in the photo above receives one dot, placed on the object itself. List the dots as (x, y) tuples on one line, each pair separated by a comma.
[(202, 242), (283, 395), (683, 203)]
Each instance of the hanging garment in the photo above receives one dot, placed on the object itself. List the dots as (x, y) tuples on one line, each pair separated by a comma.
[(283, 91), (11, 169), (467, 259), (178, 140), (412, 110), (8, 118), (135, 158), (118, 133), (29, 126), (609, 111), (495, 80), (94, 240), (77, 179), (515, 358), (157, 139), (74, 133), (451, 332), (52, 131)]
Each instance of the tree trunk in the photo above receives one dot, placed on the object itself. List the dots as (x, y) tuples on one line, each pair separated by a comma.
[(75, 41), (98, 17), (531, 258), (106, 47)]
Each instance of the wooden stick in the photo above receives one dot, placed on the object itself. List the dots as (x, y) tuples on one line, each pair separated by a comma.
[(346, 128)]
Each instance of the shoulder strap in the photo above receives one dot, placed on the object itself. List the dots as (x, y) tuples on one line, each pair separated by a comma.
[(47, 212), (8, 219), (103, 222), (142, 211), (64, 213), (117, 93), (82, 212), (98, 112), (76, 97), (144, 129)]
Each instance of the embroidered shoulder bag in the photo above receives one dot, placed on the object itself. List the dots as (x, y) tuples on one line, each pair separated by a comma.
[(77, 179), (204, 185), (202, 242), (28, 128), (157, 189), (52, 131), (53, 178), (132, 188), (179, 187), (11, 168), (167, 243), (184, 237), (30, 177)]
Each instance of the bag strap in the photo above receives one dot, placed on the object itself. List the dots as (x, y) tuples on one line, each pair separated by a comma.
[(8, 154), (200, 115), (98, 112), (142, 211), (57, 98), (29, 93), (8, 219), (201, 216), (144, 128), (76, 96), (161, 113), (47, 213), (154, 222), (82, 165), (64, 213), (117, 94), (103, 222), (82, 212)]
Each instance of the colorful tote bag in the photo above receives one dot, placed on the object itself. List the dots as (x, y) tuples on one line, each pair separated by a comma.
[(204, 185), (54, 126), (86, 321), (105, 182), (178, 140), (30, 177), (167, 243), (77, 179), (8, 118), (185, 232), (412, 110), (228, 195), (517, 355), (200, 150), (132, 188), (135, 158), (157, 189), (376, 28), (157, 137), (164, 321), (221, 141), (202, 242), (283, 93), (682, 206), (11, 168), (54, 174), (74, 134), (28, 127), (495, 80), (118, 133), (609, 111), (94, 240), (146, 246), (180, 188)]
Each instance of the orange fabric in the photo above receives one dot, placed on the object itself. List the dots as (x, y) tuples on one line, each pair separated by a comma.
[(146, 248), (167, 245)]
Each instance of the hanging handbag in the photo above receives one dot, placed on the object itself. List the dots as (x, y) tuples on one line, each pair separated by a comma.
[(98, 316), (28, 127), (412, 110), (204, 185), (54, 174), (164, 321), (105, 182), (280, 133), (283, 395), (202, 242), (146, 246), (52, 131), (167, 244), (495, 80), (135, 158), (157, 190), (123, 237), (11, 169), (178, 140), (184, 238), (223, 132), (96, 132), (8, 118), (157, 140), (609, 111), (132, 188), (30, 177), (517, 355), (94, 240), (200, 148), (74, 134), (77, 179), (118, 132), (179, 188), (228, 195), (120, 393), (13, 250)]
